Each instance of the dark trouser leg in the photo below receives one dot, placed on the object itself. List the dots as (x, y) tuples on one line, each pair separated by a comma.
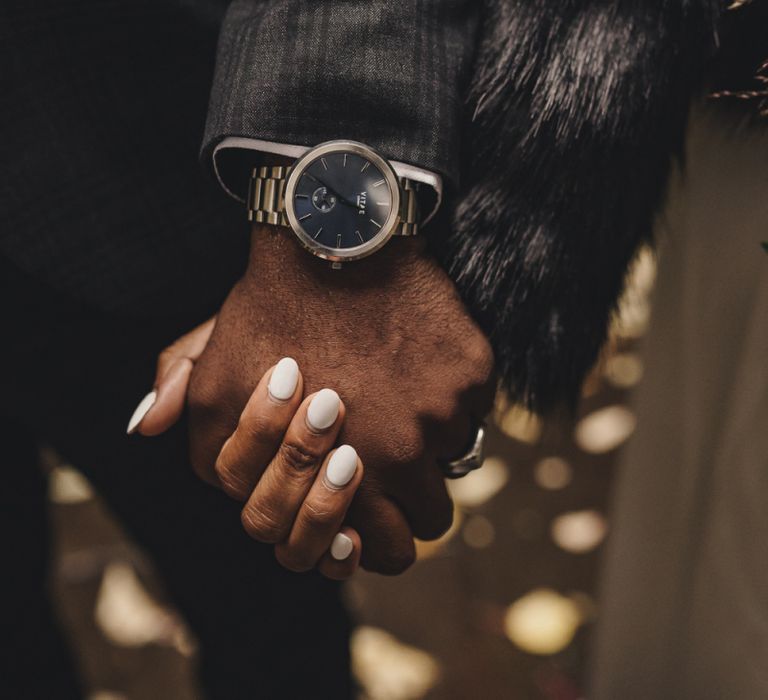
[(263, 631), (35, 661)]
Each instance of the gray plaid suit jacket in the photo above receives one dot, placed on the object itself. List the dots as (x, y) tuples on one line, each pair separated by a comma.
[(104, 109)]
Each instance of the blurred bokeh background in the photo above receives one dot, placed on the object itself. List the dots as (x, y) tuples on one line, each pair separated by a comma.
[(501, 607)]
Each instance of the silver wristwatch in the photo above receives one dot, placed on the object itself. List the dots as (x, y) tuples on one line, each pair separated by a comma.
[(342, 200)]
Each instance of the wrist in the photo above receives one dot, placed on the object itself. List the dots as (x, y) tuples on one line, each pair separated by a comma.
[(277, 258)]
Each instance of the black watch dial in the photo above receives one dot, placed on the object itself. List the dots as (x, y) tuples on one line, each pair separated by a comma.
[(342, 200)]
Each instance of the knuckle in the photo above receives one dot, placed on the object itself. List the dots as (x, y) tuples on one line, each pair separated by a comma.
[(261, 524), (261, 428), (292, 559), (397, 561), (166, 356), (232, 483), (319, 515), (299, 456)]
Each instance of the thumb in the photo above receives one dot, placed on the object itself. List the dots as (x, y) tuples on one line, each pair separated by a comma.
[(163, 406)]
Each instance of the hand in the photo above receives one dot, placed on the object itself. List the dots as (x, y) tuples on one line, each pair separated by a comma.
[(390, 334), (303, 488)]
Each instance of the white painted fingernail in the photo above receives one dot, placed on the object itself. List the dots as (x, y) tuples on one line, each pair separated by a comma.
[(341, 547), (341, 466), (323, 409), (285, 377), (141, 410)]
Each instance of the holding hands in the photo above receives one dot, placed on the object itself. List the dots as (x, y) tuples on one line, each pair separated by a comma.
[(392, 337), (279, 461)]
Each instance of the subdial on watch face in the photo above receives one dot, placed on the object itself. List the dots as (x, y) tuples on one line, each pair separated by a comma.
[(342, 200)]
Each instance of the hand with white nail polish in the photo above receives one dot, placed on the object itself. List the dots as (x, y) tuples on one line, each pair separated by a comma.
[(391, 336), (317, 538), (280, 461)]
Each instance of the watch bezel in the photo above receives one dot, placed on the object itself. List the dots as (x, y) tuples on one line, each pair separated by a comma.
[(388, 227)]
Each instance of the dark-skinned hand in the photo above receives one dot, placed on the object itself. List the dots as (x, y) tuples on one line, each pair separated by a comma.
[(388, 333)]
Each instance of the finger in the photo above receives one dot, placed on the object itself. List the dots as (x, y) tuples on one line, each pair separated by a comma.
[(388, 542), (190, 346), (163, 406), (261, 428), (169, 395), (419, 487), (343, 556), (321, 514), (269, 514)]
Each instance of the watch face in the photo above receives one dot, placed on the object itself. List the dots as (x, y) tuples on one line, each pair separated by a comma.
[(342, 200)]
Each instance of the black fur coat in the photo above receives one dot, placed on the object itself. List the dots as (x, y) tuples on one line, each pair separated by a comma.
[(576, 111)]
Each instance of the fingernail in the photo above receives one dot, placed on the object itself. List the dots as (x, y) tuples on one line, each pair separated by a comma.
[(323, 409), (141, 410), (285, 377), (341, 466), (341, 547)]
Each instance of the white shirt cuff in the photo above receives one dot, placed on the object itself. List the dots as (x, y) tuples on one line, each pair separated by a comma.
[(233, 173)]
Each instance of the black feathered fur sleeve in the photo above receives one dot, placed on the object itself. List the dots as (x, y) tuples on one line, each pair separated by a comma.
[(577, 109)]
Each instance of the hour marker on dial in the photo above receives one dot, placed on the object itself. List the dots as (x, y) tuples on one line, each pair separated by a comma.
[(376, 222), (383, 204), (324, 162), (338, 240), (365, 167), (345, 161), (317, 235), (306, 216), (360, 236), (378, 183)]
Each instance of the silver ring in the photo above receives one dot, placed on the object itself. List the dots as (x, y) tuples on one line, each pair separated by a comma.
[(472, 460)]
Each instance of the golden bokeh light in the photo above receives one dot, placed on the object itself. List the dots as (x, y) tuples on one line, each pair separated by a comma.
[(623, 370), (387, 669), (605, 429), (552, 473), (634, 309), (542, 621), (130, 617), (633, 319), (478, 532), (519, 424), (106, 695), (579, 531), (481, 485), (68, 486), (642, 275)]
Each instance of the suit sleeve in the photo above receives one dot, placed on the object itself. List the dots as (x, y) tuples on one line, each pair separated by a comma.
[(390, 73)]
